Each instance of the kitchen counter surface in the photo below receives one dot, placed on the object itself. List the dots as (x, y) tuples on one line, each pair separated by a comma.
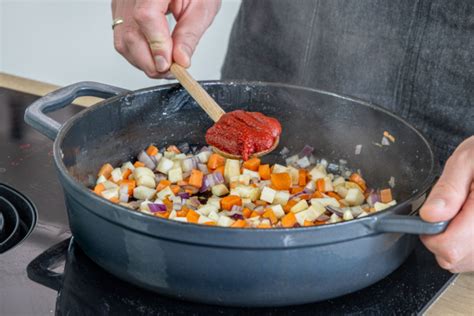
[(457, 298)]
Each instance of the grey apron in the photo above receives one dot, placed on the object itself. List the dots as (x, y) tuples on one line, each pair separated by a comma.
[(414, 57)]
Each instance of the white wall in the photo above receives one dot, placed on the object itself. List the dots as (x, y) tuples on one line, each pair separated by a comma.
[(65, 41)]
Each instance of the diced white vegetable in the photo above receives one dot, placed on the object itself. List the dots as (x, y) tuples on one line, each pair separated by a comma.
[(207, 209), (225, 221), (142, 171), (216, 201), (110, 193), (180, 219), (300, 206), (291, 160), (303, 162), (144, 206), (172, 214), (169, 155), (158, 157), (278, 211), (294, 175), (311, 186), (165, 165), (179, 156), (356, 210), (326, 201), (231, 169), (252, 174), (165, 193), (101, 179), (116, 175), (213, 216), (127, 165), (328, 184), (354, 197), (352, 185), (281, 197), (204, 156), (220, 190), (347, 215), (203, 219), (143, 193), (244, 179), (362, 214), (279, 168), (176, 164), (265, 222), (317, 172), (268, 195), (334, 218), (175, 175), (338, 181), (301, 217), (109, 185), (378, 206), (146, 181), (341, 190)]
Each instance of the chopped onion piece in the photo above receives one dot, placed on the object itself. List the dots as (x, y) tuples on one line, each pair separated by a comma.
[(358, 149), (385, 141), (391, 182), (284, 152), (143, 157), (155, 207), (306, 151)]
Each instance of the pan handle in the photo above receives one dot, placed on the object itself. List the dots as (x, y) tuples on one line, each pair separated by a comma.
[(35, 113), (407, 224)]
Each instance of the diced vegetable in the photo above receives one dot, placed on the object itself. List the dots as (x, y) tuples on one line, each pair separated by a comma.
[(231, 169), (281, 181), (252, 164), (264, 171), (229, 201), (300, 206), (143, 193), (268, 195), (289, 220), (354, 197), (215, 161), (385, 195), (220, 190)]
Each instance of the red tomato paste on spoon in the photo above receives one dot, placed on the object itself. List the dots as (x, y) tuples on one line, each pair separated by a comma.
[(244, 133)]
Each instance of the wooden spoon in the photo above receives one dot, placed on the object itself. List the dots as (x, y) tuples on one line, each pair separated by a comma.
[(209, 105)]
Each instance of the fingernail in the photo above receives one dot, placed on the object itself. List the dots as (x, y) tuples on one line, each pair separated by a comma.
[(435, 204), (187, 51), (161, 64)]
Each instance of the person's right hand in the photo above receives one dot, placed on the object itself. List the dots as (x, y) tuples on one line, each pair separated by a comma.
[(144, 37)]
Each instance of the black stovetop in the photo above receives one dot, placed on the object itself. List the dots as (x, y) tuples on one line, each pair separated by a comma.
[(86, 289)]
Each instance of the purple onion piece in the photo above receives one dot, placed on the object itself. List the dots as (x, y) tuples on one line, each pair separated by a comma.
[(306, 151), (372, 198), (236, 208), (203, 168), (322, 218), (237, 216), (218, 177), (159, 177), (184, 195), (335, 210), (143, 157), (189, 164), (184, 148), (155, 207)]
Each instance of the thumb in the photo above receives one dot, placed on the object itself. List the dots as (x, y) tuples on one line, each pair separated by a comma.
[(150, 15), (450, 192)]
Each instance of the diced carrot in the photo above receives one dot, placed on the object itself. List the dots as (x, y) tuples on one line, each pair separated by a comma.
[(114, 199), (318, 223), (264, 225), (308, 223), (215, 161), (182, 183), (126, 173), (105, 170), (233, 184), (131, 185), (334, 195), (162, 215), (260, 203), (182, 212), (151, 150), (174, 149), (317, 195), (99, 188), (138, 164), (211, 223), (162, 184), (196, 178), (356, 178), (254, 214), (246, 212), (169, 204), (302, 177), (219, 169), (252, 164), (175, 189), (289, 205), (281, 181), (240, 223), (386, 195), (289, 220), (229, 201), (264, 171), (296, 190), (320, 185), (270, 215), (192, 217), (305, 196)]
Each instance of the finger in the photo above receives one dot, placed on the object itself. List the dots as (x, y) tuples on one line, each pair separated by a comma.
[(451, 190), (150, 15), (139, 54), (454, 247), (189, 29)]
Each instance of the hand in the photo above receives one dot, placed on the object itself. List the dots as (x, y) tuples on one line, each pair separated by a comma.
[(144, 38), (452, 198)]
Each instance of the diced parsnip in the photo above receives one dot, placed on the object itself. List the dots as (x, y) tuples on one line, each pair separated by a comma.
[(144, 206), (181, 219), (206, 209), (231, 169), (165, 164), (176, 164), (294, 174), (317, 172), (143, 193), (172, 214), (354, 197), (225, 221), (244, 191), (338, 181), (175, 175), (165, 193), (279, 168), (314, 211), (158, 157), (109, 185), (326, 201), (216, 201), (252, 174), (352, 185), (328, 184), (142, 171), (127, 165), (378, 206), (244, 179), (246, 201), (362, 214), (110, 193), (310, 186), (300, 206), (347, 215), (204, 156), (169, 155), (278, 211), (101, 179), (303, 162), (268, 195), (291, 160), (334, 219), (213, 216), (220, 190), (204, 219), (254, 194), (341, 190), (281, 197), (179, 157), (146, 181), (301, 217)]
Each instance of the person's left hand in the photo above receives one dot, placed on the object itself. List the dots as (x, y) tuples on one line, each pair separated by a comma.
[(452, 198)]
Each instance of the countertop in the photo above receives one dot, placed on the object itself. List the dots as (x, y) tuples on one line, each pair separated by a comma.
[(457, 298)]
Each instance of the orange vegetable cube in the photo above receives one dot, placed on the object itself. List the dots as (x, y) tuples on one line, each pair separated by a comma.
[(289, 205), (270, 215), (114, 200), (175, 189), (215, 161), (211, 223), (296, 190), (334, 195), (289, 220), (126, 173), (264, 171), (386, 196), (246, 212), (105, 170), (252, 164), (320, 185), (254, 214), (99, 188), (196, 178), (240, 223), (308, 223), (264, 225), (220, 169), (138, 164), (162, 184), (317, 195), (356, 178), (229, 201), (151, 150), (131, 185), (192, 216), (302, 177), (281, 181)]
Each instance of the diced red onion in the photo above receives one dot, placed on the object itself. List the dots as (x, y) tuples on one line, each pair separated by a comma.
[(372, 198), (203, 168), (322, 218), (193, 202), (159, 177), (192, 189), (218, 177), (123, 197), (184, 195), (155, 207), (236, 208), (237, 216), (184, 148), (143, 157), (335, 210), (306, 151)]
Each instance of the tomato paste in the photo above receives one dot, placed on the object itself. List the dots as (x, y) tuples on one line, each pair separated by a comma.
[(244, 133)]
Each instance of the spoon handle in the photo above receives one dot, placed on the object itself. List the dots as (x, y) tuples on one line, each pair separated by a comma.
[(205, 101)]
